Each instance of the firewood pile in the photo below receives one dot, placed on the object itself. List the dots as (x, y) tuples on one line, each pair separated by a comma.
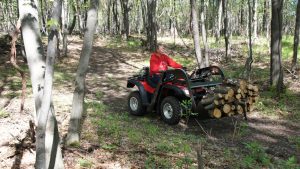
[(233, 97)]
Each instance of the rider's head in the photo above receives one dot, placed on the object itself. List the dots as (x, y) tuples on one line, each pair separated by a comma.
[(160, 49)]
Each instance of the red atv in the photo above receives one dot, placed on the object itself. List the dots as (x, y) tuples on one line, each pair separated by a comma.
[(174, 87)]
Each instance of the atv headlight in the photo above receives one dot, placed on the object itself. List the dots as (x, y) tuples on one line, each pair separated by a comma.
[(186, 92)]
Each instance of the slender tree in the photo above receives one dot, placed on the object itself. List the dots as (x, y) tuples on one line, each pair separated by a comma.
[(196, 37), (226, 31), (48, 151), (73, 23), (126, 9), (79, 93), (203, 33), (219, 21), (296, 37), (249, 60), (276, 76), (254, 6), (46, 107), (151, 25)]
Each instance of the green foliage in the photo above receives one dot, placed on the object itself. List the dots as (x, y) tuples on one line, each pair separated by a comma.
[(75, 144), (295, 140), (52, 23), (157, 162), (185, 162), (3, 114), (291, 163), (256, 157), (84, 163), (242, 129)]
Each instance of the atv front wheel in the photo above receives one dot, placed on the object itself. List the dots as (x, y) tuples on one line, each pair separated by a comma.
[(170, 110), (135, 104)]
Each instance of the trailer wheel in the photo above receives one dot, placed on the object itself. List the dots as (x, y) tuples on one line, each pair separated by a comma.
[(170, 110), (135, 105)]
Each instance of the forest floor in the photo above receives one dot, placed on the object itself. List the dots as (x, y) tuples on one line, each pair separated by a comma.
[(111, 138)]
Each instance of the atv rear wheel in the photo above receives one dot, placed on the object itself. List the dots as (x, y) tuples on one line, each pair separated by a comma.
[(135, 105), (170, 110)]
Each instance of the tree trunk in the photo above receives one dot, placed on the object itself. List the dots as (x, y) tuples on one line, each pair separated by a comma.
[(219, 21), (65, 27), (151, 25), (79, 93), (241, 20), (44, 27), (72, 25), (196, 38), (124, 4), (48, 151), (115, 16), (46, 106), (296, 37), (108, 15), (249, 60), (144, 11), (276, 76), (226, 31), (203, 33), (254, 19)]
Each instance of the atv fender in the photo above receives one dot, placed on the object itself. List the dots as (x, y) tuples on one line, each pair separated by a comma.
[(142, 91), (174, 90)]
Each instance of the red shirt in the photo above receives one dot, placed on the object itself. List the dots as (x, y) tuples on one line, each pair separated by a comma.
[(160, 62)]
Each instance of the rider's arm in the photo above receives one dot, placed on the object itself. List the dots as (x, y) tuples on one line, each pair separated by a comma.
[(172, 63)]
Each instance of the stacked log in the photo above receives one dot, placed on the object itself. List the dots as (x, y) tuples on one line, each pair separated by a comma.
[(233, 97)]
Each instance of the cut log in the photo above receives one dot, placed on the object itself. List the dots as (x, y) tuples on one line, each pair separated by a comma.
[(238, 96), (239, 109), (210, 106), (208, 100), (226, 108), (216, 113), (250, 108), (233, 107)]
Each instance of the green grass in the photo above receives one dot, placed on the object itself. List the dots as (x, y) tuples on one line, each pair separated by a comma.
[(84, 163), (3, 114), (117, 129)]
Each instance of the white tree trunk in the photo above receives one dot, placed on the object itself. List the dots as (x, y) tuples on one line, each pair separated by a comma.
[(37, 63), (196, 36), (78, 97)]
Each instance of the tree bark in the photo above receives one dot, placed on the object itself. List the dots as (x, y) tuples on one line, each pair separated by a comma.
[(126, 9), (79, 93), (151, 25), (203, 33), (46, 106), (296, 38), (115, 16), (73, 23), (48, 153), (108, 15), (65, 27), (276, 76), (248, 64), (219, 21), (226, 31), (254, 19), (196, 38)]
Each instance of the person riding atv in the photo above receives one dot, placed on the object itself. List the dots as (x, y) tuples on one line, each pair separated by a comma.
[(159, 62)]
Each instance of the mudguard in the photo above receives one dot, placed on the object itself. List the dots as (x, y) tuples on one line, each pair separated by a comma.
[(131, 83)]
